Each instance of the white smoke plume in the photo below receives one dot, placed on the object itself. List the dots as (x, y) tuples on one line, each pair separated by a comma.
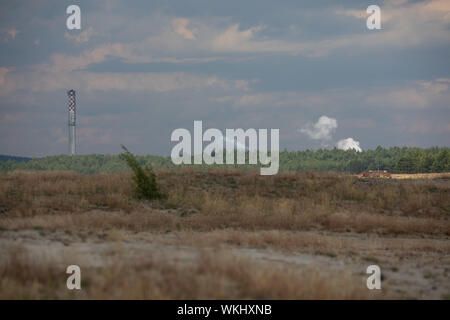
[(237, 145), (347, 144), (322, 129)]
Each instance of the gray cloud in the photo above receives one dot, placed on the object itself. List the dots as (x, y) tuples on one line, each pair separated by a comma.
[(268, 65)]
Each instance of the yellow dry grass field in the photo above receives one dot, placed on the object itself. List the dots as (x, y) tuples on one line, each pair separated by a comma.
[(224, 234)]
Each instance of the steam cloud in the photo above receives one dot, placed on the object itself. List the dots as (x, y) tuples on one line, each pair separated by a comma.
[(324, 129), (347, 144), (237, 145)]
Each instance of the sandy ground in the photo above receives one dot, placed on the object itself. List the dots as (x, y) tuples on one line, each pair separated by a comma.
[(409, 269)]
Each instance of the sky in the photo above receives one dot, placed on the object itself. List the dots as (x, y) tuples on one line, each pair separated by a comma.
[(141, 69)]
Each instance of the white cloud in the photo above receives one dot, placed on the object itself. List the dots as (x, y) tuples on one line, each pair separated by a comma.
[(418, 95), (63, 71), (323, 129), (447, 80), (403, 25), (254, 99), (232, 39), (63, 62), (180, 26), (281, 99), (348, 144)]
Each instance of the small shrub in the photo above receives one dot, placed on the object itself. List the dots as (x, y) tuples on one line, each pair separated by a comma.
[(145, 178)]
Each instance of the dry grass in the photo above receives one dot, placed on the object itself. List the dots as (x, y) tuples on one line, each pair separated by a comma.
[(442, 175), (210, 276), (226, 199), (344, 222), (310, 242)]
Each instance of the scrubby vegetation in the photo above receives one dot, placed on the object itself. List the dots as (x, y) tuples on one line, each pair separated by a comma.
[(395, 160)]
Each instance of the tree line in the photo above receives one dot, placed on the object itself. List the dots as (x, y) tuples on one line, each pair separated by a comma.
[(394, 159)]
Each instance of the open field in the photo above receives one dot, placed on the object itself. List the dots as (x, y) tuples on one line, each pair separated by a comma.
[(224, 234)]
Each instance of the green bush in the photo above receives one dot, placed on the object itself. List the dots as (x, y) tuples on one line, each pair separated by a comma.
[(145, 178)]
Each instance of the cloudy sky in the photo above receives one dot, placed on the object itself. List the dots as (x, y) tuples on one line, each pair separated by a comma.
[(144, 68)]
